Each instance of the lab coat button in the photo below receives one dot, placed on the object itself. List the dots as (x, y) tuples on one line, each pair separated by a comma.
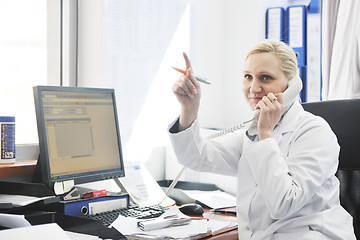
[(247, 228)]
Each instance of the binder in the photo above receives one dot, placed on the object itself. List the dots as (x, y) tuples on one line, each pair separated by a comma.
[(297, 31), (303, 75), (91, 206), (314, 52), (297, 39), (275, 24)]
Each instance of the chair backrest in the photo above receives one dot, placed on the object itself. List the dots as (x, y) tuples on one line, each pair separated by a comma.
[(343, 117)]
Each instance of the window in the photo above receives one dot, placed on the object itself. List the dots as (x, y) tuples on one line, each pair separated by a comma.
[(130, 46), (23, 63)]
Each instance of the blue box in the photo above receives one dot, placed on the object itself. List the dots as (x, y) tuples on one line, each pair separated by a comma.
[(7, 126)]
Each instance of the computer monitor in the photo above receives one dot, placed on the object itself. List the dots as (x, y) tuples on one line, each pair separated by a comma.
[(79, 136)]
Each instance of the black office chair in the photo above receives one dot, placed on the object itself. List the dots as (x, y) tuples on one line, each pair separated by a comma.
[(343, 117)]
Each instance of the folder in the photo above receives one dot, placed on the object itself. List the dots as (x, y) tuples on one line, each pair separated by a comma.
[(92, 206), (297, 39), (275, 24), (25, 188), (303, 75), (297, 31), (314, 52)]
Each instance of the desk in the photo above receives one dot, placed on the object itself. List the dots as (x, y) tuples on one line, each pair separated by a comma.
[(19, 168), (89, 226), (230, 235), (27, 167), (198, 228)]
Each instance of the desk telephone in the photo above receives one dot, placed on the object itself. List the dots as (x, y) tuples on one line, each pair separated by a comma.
[(142, 187)]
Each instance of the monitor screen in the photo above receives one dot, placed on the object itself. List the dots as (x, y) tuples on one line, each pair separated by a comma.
[(79, 135)]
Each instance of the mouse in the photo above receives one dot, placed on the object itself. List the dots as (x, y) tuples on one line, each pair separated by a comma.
[(193, 209)]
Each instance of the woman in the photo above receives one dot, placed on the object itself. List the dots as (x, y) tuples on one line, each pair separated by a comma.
[(287, 187)]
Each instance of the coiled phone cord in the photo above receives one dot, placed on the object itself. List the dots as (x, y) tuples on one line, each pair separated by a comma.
[(226, 131)]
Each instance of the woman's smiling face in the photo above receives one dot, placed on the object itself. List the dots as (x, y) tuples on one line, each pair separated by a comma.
[(262, 75)]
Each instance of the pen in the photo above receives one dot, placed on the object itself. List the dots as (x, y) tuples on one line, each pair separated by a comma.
[(224, 211), (200, 79)]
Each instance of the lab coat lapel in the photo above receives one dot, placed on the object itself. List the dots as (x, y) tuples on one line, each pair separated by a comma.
[(288, 122)]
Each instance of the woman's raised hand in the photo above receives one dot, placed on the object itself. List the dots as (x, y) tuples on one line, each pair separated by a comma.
[(188, 92)]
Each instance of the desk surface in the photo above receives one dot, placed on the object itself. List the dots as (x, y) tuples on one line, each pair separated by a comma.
[(19, 168), (230, 235), (27, 167)]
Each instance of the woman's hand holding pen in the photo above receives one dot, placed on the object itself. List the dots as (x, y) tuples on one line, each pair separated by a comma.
[(188, 92)]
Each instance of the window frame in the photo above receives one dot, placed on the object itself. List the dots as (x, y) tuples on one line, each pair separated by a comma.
[(61, 56)]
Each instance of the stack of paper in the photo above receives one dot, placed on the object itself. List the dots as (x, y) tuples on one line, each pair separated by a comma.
[(212, 199), (197, 228), (38, 232), (20, 228), (22, 200), (13, 221), (219, 226)]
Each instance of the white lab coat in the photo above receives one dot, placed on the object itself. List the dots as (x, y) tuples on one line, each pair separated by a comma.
[(287, 187)]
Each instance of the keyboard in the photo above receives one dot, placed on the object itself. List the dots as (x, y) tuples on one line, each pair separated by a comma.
[(135, 211)]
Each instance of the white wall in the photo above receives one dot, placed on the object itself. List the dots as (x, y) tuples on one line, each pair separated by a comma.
[(221, 34)]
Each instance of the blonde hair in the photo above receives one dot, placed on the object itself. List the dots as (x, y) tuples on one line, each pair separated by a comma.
[(286, 55)]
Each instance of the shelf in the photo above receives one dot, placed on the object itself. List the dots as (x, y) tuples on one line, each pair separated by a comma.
[(19, 168)]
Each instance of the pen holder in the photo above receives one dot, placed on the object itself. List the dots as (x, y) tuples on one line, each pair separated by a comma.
[(7, 126)]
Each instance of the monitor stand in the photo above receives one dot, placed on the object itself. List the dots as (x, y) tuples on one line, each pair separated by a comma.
[(118, 183), (38, 178)]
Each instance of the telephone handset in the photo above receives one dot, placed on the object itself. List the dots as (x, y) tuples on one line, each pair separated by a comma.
[(293, 90), (290, 94)]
